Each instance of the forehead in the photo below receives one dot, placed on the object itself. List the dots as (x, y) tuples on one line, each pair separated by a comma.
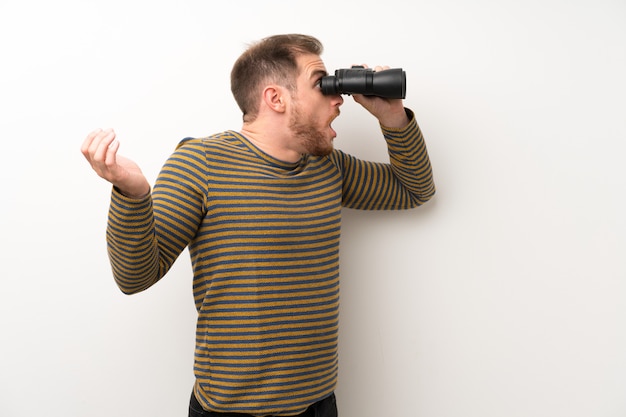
[(311, 65)]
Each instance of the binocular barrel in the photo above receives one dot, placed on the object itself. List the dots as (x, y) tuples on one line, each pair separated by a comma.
[(389, 83)]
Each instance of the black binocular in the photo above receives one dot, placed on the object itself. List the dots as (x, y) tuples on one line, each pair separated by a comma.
[(389, 83)]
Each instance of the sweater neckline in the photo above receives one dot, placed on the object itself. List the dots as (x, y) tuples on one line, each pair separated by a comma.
[(275, 162)]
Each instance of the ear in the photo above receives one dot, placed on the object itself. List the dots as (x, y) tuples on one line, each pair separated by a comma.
[(274, 98)]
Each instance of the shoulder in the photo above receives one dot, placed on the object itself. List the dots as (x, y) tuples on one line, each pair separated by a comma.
[(218, 139), (339, 158), (224, 143)]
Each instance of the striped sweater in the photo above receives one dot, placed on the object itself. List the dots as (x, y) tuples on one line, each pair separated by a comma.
[(263, 236)]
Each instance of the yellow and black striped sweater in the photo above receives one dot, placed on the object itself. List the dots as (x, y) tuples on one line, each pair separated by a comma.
[(263, 236)]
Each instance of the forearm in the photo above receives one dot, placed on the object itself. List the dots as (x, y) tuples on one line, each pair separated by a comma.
[(409, 160), (131, 244), (403, 183)]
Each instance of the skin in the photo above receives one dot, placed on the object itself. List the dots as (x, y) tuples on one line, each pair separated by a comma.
[(286, 127)]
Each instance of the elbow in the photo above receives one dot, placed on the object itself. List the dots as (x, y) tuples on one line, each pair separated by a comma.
[(130, 285), (422, 198), (430, 194), (133, 279), (130, 290)]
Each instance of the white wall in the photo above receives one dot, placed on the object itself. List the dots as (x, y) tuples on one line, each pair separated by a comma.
[(504, 296)]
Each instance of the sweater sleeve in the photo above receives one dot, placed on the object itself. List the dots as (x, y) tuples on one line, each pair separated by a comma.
[(403, 183), (145, 237)]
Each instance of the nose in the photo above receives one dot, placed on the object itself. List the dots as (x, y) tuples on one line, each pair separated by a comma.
[(337, 100)]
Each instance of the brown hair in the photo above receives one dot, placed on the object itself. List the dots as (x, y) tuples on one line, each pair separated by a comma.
[(270, 60)]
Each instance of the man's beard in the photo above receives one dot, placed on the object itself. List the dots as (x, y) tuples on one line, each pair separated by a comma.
[(312, 139)]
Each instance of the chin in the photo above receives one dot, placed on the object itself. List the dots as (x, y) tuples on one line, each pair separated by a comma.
[(322, 151)]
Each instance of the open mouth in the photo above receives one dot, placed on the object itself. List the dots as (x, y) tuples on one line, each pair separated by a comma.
[(331, 121)]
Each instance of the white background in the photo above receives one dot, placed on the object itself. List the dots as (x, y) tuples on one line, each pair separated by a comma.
[(503, 296)]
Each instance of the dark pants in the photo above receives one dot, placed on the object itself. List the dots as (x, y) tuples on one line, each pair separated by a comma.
[(324, 408)]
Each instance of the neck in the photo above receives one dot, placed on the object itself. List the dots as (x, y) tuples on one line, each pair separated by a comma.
[(275, 143)]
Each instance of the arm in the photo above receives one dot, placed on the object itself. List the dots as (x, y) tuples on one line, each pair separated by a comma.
[(146, 233), (403, 183)]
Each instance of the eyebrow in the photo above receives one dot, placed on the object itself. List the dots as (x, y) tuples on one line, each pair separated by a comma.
[(319, 73)]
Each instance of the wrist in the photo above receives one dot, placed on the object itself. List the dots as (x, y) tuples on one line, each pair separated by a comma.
[(138, 194), (396, 120)]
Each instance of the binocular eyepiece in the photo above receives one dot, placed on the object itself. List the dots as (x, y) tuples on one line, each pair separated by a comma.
[(389, 83)]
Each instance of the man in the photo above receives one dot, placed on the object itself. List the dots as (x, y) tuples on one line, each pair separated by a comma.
[(260, 210)]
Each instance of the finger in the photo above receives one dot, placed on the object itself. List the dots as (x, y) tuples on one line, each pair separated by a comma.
[(111, 153), (84, 148), (100, 145)]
